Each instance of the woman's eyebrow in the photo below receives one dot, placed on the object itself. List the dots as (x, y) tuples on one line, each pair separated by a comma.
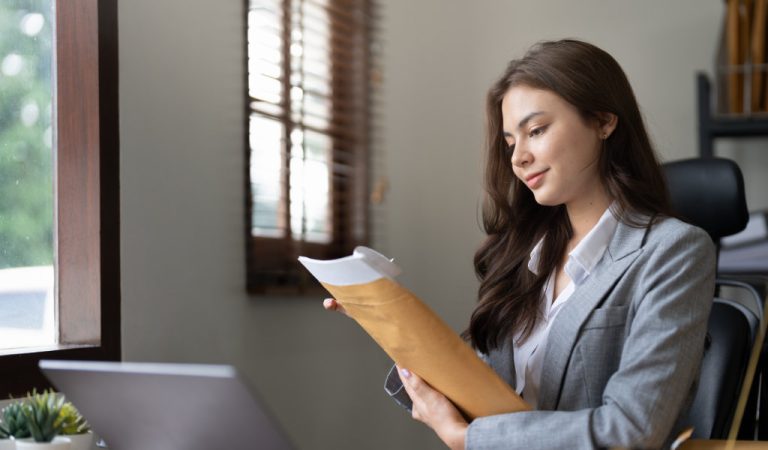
[(527, 118), (523, 122)]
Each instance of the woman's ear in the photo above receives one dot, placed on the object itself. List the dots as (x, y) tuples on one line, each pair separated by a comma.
[(606, 124)]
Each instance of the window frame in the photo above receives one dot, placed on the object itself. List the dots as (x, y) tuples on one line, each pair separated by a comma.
[(271, 262), (87, 211)]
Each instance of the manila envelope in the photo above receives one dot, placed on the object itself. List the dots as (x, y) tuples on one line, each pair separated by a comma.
[(417, 339)]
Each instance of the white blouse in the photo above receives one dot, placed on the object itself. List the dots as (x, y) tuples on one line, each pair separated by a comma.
[(529, 356)]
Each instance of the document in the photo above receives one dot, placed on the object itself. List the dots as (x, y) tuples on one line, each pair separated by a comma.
[(412, 334)]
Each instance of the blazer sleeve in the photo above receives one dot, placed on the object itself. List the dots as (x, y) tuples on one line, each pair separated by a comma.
[(659, 361)]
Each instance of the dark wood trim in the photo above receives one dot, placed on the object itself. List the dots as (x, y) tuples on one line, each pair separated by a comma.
[(77, 172), (88, 215), (20, 374), (109, 124)]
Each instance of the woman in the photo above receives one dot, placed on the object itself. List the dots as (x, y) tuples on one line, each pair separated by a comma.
[(593, 299)]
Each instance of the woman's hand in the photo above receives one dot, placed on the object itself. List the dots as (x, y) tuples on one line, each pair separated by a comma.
[(332, 305), (429, 406), (435, 410)]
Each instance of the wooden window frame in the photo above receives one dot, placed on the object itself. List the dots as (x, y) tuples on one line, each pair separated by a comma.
[(271, 264), (87, 221)]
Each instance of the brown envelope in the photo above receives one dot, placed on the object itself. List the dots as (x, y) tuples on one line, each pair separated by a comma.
[(416, 338)]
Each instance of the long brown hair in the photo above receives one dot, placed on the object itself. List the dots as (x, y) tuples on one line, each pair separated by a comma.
[(592, 81)]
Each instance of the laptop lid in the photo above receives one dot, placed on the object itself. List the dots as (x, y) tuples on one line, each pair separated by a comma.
[(147, 406)]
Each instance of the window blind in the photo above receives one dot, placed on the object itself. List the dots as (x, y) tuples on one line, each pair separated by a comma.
[(309, 94)]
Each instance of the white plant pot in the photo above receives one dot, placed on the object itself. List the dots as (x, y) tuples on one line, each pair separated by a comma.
[(7, 444), (58, 443), (82, 441)]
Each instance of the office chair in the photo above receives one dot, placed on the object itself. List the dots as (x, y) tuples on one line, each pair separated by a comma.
[(729, 340), (709, 193)]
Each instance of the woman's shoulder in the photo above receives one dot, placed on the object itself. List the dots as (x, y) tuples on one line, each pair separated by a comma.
[(669, 232), (673, 252), (672, 227)]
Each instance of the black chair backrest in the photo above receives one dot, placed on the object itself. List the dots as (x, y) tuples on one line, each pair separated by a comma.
[(729, 341), (709, 193)]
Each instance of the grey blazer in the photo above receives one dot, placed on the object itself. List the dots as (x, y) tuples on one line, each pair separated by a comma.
[(623, 356)]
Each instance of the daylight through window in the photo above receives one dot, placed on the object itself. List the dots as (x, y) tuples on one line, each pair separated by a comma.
[(26, 174)]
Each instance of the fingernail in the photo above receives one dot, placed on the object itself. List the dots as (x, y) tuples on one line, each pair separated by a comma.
[(405, 372), (327, 302)]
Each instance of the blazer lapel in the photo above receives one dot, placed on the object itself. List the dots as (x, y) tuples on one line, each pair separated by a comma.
[(621, 252), (502, 361)]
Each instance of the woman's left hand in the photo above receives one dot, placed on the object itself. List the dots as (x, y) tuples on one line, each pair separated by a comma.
[(435, 410)]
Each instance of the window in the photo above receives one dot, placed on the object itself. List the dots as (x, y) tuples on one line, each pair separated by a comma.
[(26, 174), (83, 182), (308, 119)]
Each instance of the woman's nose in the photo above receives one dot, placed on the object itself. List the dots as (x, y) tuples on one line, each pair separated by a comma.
[(521, 157)]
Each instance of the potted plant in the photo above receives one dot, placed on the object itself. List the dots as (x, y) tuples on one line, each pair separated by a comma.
[(75, 427), (41, 412), (14, 423), (6, 443)]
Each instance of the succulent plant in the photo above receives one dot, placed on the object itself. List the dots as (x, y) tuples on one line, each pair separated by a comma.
[(14, 422), (71, 421), (41, 412)]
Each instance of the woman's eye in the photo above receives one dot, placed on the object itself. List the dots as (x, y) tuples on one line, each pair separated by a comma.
[(509, 149), (537, 131)]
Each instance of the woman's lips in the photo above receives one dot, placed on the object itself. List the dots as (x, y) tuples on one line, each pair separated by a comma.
[(534, 180)]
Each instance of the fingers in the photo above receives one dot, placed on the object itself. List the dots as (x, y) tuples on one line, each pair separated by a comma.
[(420, 392), (332, 305), (409, 380), (412, 382), (434, 409)]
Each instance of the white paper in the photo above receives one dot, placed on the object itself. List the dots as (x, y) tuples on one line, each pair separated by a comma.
[(364, 265)]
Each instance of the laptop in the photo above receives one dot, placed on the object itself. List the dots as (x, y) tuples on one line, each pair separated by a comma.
[(149, 406)]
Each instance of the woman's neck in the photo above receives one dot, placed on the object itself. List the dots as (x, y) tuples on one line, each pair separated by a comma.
[(585, 214)]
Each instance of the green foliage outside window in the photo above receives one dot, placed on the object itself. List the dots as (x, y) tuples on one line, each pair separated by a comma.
[(26, 150)]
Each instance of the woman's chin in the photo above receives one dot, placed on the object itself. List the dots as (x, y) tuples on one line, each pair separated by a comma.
[(545, 200)]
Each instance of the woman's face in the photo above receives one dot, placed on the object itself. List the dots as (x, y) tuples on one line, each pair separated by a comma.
[(555, 152)]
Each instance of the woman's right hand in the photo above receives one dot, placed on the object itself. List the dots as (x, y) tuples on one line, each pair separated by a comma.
[(331, 304)]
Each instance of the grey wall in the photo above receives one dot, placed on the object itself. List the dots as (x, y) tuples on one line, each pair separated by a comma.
[(181, 93), (182, 177)]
